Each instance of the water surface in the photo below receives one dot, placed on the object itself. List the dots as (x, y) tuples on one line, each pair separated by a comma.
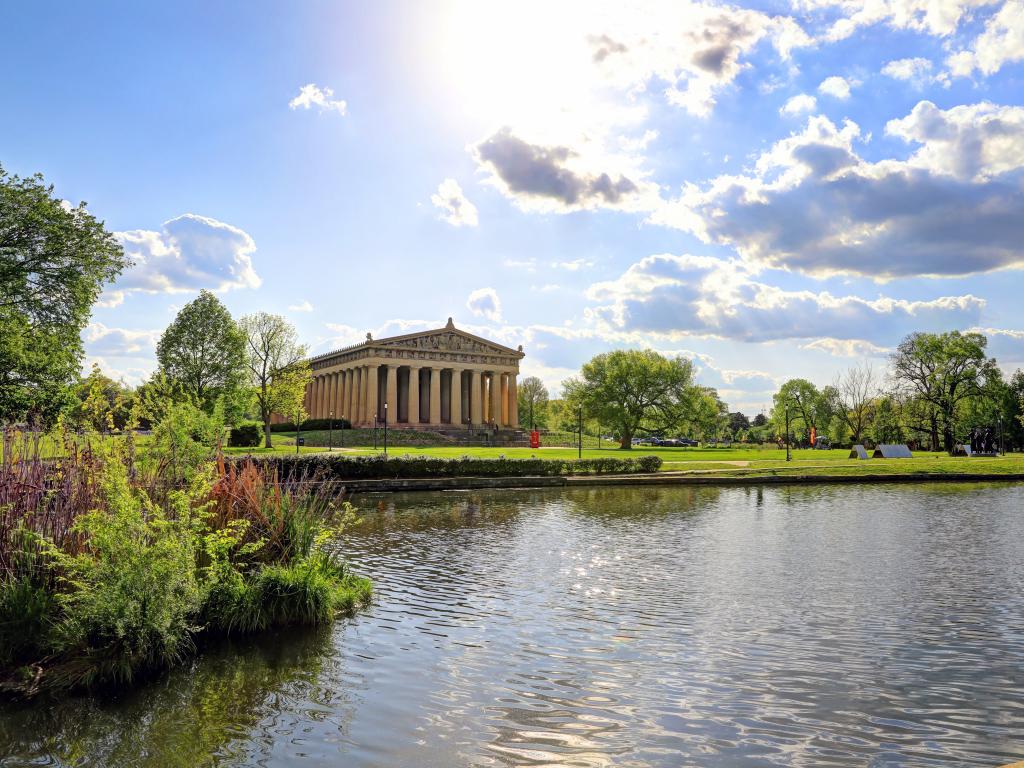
[(826, 626)]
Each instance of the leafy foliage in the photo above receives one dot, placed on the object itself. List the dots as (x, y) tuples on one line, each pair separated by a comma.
[(54, 261), (202, 351), (379, 467), (633, 390)]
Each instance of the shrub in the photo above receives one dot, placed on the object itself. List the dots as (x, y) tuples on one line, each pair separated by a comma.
[(310, 425), (247, 435), (381, 467)]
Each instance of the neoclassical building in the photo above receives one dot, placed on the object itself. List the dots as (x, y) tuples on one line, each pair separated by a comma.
[(445, 378)]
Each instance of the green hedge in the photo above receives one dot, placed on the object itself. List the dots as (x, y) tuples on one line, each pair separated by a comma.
[(310, 424), (379, 467), (246, 435)]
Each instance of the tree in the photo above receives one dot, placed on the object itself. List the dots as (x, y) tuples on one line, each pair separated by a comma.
[(54, 261), (760, 420), (100, 403), (887, 426), (278, 372), (808, 408), (633, 390), (533, 402), (203, 351), (943, 370), (738, 422), (855, 398)]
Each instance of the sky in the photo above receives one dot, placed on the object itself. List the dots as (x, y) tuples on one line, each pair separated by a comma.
[(774, 189)]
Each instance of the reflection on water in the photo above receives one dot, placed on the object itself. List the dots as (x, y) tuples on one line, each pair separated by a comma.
[(612, 626)]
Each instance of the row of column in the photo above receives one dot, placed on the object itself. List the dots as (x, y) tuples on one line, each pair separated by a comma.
[(359, 394)]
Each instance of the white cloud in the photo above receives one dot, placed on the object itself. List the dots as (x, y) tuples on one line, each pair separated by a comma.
[(703, 296), (302, 306), (484, 302), (916, 70), (857, 348), (118, 342), (189, 253), (812, 204), (934, 17), (572, 266), (1001, 43), (456, 209), (835, 86), (799, 104), (312, 95), (131, 374)]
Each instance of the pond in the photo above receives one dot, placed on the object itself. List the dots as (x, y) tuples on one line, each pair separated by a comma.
[(851, 625)]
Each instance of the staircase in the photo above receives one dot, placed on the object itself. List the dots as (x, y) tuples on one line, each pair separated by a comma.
[(503, 438)]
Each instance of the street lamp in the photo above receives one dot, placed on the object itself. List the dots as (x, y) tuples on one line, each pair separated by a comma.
[(385, 429), (375, 423), (330, 430), (581, 432), (789, 456), (341, 431)]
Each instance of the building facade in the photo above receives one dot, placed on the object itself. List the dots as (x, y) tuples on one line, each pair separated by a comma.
[(440, 379)]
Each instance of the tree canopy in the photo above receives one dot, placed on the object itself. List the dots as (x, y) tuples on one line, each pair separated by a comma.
[(54, 261), (633, 390), (277, 371), (532, 398), (203, 351)]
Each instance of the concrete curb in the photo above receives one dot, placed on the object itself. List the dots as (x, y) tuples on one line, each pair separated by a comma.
[(391, 485)]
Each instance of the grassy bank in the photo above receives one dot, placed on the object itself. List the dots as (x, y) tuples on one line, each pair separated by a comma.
[(112, 569)]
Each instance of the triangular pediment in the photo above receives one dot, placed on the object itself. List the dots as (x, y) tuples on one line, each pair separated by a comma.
[(446, 340)]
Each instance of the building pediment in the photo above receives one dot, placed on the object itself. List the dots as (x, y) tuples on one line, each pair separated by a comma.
[(445, 340)]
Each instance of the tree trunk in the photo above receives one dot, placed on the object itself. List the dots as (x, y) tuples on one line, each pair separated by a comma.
[(626, 440), (266, 431), (934, 433)]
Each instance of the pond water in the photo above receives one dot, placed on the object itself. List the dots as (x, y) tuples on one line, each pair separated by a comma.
[(827, 626)]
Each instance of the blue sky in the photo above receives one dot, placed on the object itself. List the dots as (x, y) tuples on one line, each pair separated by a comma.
[(774, 189)]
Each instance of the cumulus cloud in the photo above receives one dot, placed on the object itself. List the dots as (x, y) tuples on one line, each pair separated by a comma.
[(704, 296), (312, 95), (916, 70), (934, 17), (836, 87), (1001, 43), (812, 204), (455, 208), (190, 252), (551, 177), (857, 348), (302, 306), (572, 266), (484, 302), (799, 104), (118, 342)]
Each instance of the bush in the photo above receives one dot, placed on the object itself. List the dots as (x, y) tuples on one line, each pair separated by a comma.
[(380, 467), (247, 435), (310, 425)]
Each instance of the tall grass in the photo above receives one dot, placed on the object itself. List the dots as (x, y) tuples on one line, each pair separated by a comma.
[(110, 570)]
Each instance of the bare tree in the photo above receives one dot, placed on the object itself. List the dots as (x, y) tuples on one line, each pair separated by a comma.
[(855, 393)]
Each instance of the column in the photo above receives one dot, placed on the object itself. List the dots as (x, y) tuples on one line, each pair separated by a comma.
[(373, 394), (505, 415), (350, 395), (414, 395), (332, 394), (496, 398), (513, 402), (435, 395), (314, 413), (391, 394), (342, 394), (360, 390), (455, 403), (476, 413)]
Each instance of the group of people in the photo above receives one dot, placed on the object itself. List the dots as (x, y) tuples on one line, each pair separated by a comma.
[(983, 440)]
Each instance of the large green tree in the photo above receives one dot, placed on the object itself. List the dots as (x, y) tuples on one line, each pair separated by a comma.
[(809, 408), (633, 390), (202, 352), (277, 368), (943, 370), (54, 261), (533, 402)]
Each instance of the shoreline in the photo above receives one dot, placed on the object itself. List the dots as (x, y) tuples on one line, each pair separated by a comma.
[(400, 485)]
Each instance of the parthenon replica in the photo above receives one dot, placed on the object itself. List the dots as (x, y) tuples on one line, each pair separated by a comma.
[(441, 379)]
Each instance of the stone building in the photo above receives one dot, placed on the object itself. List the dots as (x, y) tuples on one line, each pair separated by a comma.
[(441, 379)]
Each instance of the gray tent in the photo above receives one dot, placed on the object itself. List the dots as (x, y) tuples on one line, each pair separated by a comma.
[(859, 452), (892, 452)]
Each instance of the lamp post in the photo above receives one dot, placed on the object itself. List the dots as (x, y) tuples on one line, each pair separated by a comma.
[(375, 422), (341, 431), (1002, 449), (580, 453), (298, 432), (789, 456), (330, 430), (385, 429)]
